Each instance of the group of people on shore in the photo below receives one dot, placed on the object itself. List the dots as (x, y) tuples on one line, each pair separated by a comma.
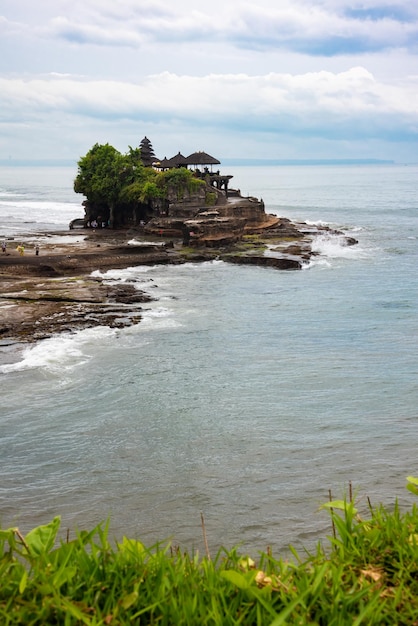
[(20, 248)]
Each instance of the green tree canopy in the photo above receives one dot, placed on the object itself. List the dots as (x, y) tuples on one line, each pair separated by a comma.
[(104, 176), (100, 174)]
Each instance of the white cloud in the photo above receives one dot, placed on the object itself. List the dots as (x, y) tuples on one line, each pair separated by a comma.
[(80, 33), (79, 71), (324, 96), (327, 28)]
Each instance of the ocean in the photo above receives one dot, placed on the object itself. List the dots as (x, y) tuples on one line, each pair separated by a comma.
[(245, 394)]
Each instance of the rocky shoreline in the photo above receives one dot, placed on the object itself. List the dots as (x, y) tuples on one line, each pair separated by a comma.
[(53, 292)]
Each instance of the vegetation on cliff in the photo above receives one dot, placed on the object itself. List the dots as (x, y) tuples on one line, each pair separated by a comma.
[(121, 190), (368, 575)]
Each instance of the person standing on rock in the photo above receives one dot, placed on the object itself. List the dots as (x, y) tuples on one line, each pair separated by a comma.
[(37, 249), (3, 246)]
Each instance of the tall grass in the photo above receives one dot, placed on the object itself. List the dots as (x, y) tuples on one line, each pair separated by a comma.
[(367, 573)]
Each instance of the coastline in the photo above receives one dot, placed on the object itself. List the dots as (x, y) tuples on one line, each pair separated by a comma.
[(54, 292)]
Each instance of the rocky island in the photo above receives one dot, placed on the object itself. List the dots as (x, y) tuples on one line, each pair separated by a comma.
[(195, 217)]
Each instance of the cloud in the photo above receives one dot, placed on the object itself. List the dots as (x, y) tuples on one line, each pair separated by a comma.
[(150, 26), (319, 28), (316, 29), (240, 72), (72, 32), (378, 13), (345, 104)]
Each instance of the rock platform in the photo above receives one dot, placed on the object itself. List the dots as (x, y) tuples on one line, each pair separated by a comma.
[(55, 292)]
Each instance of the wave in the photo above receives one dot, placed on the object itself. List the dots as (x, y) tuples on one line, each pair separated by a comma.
[(158, 318), (46, 205), (137, 242), (331, 246), (136, 275), (60, 354), (11, 194), (17, 216)]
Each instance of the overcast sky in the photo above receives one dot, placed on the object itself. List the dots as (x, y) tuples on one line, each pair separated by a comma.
[(283, 79)]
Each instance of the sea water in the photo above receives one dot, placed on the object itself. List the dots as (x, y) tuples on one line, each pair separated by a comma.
[(245, 393)]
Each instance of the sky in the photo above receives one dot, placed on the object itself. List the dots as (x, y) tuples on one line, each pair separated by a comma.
[(265, 79)]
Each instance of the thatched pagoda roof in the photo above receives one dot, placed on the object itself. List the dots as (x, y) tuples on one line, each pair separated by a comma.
[(147, 152), (162, 164), (201, 158), (177, 160)]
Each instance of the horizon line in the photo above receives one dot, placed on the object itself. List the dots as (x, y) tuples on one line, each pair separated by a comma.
[(227, 161)]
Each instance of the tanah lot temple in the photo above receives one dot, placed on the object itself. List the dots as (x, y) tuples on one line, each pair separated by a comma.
[(203, 211)]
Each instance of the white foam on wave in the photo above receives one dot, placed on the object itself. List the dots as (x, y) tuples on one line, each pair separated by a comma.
[(213, 262), (129, 273), (331, 246), (158, 318), (135, 275), (64, 238), (339, 226), (203, 264), (55, 239), (60, 354), (10, 194), (154, 316), (336, 246), (41, 215), (316, 223), (137, 242), (42, 205)]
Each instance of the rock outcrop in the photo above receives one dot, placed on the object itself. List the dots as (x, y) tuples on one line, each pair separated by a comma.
[(54, 291), (225, 221)]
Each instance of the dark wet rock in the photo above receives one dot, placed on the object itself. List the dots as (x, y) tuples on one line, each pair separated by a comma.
[(351, 241), (127, 294), (38, 310), (280, 262)]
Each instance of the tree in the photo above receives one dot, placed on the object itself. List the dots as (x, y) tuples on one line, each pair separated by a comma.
[(115, 184), (100, 178), (122, 190), (180, 179)]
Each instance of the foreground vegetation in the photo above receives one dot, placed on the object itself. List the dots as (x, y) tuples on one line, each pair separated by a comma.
[(368, 574)]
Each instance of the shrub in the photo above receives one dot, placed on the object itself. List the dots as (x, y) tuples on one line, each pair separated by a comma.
[(368, 576)]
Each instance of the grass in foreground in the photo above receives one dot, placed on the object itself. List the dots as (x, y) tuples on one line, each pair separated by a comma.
[(368, 575)]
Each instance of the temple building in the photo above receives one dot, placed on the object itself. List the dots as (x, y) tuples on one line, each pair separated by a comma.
[(199, 162)]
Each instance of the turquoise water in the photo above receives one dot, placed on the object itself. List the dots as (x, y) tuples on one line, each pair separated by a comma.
[(245, 393)]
